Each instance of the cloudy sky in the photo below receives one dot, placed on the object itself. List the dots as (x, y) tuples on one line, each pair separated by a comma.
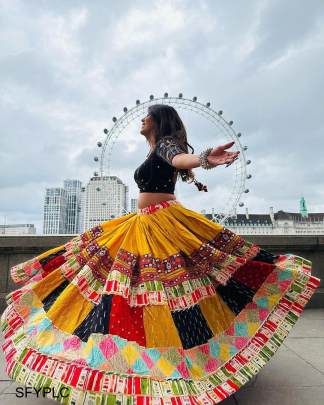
[(68, 67)]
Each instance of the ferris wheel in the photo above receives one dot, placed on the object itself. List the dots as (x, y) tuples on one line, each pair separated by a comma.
[(223, 126)]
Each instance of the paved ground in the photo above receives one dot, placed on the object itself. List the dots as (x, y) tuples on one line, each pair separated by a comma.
[(295, 375)]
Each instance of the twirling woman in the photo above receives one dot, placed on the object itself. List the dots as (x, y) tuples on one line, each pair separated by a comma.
[(159, 306)]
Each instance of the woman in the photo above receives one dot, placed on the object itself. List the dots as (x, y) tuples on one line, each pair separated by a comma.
[(161, 306)]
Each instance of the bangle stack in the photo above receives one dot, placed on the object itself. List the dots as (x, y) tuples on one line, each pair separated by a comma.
[(203, 159)]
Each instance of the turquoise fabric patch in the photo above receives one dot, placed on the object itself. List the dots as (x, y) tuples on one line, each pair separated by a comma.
[(175, 374), (44, 324), (95, 358), (120, 342), (240, 329), (214, 348), (140, 367), (153, 354), (233, 350), (262, 302), (51, 349), (285, 275)]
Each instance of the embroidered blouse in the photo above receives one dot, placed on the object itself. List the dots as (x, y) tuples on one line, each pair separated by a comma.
[(156, 173)]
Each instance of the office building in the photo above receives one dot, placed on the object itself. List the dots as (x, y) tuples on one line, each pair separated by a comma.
[(102, 199), (55, 211)]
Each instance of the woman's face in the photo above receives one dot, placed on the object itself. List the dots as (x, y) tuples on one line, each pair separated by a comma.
[(147, 127)]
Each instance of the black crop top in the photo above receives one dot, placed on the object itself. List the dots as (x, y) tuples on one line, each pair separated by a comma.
[(155, 174)]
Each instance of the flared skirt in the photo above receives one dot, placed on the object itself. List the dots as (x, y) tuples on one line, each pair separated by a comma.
[(159, 306)]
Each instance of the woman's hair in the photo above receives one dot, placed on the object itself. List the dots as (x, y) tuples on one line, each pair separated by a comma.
[(167, 123)]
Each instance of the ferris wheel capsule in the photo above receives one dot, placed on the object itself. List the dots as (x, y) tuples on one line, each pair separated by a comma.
[(125, 109), (114, 119), (208, 104), (96, 158), (245, 147), (249, 176), (220, 112), (151, 97), (194, 98), (165, 95), (239, 134), (105, 131), (180, 95), (99, 144), (230, 123), (138, 102), (241, 204), (248, 162)]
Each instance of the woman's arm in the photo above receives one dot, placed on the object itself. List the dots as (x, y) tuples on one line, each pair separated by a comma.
[(186, 161)]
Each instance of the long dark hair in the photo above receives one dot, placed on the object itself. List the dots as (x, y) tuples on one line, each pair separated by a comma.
[(167, 123)]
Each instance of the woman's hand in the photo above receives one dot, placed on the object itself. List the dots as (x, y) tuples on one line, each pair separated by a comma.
[(218, 156)]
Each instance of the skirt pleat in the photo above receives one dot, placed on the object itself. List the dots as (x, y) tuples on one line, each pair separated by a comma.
[(160, 306)]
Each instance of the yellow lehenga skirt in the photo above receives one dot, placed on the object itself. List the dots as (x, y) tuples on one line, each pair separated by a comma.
[(160, 306)]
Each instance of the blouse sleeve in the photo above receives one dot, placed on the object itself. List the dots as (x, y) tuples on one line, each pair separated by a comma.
[(168, 148)]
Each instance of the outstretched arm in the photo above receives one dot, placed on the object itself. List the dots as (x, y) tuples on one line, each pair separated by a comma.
[(186, 161), (218, 156)]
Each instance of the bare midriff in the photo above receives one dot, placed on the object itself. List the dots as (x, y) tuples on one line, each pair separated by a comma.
[(145, 199)]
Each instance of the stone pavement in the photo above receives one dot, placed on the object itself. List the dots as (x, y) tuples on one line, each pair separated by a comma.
[(295, 375)]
